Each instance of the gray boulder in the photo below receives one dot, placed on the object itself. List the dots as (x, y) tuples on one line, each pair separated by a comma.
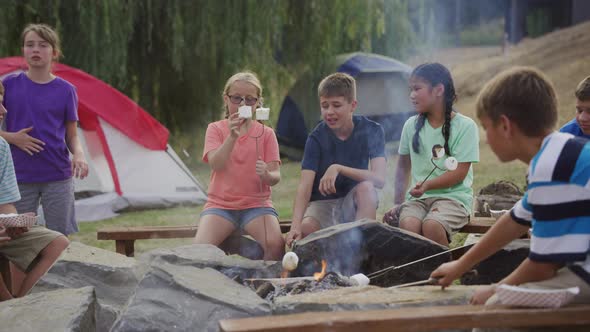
[(187, 298), (60, 310), (367, 246), (113, 276)]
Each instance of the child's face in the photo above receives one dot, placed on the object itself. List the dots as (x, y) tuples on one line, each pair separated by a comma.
[(583, 115), (37, 51), (497, 138), (2, 109), (337, 111), (423, 95), (243, 93)]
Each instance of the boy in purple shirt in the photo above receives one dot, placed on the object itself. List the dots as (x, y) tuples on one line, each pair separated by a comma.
[(580, 125), (41, 128)]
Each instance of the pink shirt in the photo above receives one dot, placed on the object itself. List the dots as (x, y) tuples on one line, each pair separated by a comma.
[(237, 187)]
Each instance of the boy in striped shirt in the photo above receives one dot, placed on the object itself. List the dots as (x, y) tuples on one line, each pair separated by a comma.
[(518, 110)]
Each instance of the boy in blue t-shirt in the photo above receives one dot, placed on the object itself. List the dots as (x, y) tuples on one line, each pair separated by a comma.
[(518, 110), (580, 125), (343, 163)]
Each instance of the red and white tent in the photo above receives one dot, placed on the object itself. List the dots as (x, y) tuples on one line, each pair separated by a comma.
[(127, 150)]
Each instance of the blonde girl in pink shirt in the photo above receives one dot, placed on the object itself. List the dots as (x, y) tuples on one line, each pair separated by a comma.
[(244, 158)]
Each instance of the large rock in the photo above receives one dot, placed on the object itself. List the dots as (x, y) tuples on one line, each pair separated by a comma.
[(203, 255), (499, 265), (367, 246), (501, 195), (187, 298), (60, 310), (113, 276), (372, 298)]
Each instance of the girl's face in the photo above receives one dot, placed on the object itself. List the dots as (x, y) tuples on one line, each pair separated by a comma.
[(37, 51), (239, 94), (423, 95)]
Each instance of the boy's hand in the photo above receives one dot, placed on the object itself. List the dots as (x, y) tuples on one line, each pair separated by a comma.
[(79, 167), (293, 235), (25, 142), (482, 294), (419, 189), (3, 236), (448, 272), (15, 232), (328, 181)]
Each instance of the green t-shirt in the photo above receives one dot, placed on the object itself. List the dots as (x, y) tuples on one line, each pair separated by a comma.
[(464, 145)]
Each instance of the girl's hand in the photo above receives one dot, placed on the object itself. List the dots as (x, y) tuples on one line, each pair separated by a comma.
[(482, 294), (261, 168), (419, 189), (328, 181), (392, 215), (234, 125), (79, 166), (293, 235), (25, 142)]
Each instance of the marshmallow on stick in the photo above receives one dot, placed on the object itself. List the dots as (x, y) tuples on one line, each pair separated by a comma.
[(245, 112)]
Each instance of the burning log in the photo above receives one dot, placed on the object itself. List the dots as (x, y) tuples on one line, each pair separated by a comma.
[(318, 276)]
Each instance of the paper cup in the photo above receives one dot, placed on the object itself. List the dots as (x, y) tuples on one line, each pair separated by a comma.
[(262, 114)]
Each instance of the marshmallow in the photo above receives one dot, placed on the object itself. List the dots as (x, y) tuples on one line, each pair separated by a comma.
[(451, 163), (290, 261), (262, 113), (438, 152), (245, 112), (359, 279)]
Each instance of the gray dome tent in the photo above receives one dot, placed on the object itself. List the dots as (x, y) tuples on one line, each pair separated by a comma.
[(382, 94)]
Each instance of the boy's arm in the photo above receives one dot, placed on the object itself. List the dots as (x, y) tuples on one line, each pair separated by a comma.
[(499, 235), (300, 205), (375, 174), (79, 164)]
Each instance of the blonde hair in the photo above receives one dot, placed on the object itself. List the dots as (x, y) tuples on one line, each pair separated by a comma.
[(522, 94), (338, 85), (244, 76), (1, 89), (46, 33), (583, 89)]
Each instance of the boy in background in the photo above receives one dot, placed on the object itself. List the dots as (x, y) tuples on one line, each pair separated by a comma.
[(32, 250), (580, 125), (343, 163), (518, 110)]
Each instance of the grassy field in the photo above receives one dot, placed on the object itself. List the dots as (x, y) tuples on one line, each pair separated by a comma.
[(561, 55)]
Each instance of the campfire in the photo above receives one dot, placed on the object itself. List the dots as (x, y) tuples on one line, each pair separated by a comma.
[(318, 276)]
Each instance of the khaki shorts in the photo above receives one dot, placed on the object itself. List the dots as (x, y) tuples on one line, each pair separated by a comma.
[(23, 250), (447, 212), (332, 212)]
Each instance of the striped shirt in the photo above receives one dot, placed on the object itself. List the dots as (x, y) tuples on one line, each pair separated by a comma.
[(557, 203), (8, 188)]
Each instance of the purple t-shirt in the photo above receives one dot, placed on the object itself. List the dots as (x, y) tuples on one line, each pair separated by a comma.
[(45, 107)]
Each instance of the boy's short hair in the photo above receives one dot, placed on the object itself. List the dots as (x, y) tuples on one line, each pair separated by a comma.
[(1, 89), (525, 96), (583, 90), (338, 85)]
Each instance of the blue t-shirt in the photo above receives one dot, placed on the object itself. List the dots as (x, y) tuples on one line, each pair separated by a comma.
[(557, 203), (323, 149), (573, 128)]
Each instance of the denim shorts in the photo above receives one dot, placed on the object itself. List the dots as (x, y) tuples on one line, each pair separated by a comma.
[(240, 218)]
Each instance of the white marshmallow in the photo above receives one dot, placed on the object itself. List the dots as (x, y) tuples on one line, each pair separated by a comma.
[(262, 113), (245, 112), (451, 163), (439, 152), (360, 279), (290, 261)]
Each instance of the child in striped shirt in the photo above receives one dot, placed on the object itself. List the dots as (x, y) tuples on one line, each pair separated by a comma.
[(518, 110)]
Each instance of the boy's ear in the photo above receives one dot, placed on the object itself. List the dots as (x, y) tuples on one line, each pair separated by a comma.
[(506, 126), (354, 103)]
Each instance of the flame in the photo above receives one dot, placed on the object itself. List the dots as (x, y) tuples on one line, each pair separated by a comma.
[(285, 274), (320, 275)]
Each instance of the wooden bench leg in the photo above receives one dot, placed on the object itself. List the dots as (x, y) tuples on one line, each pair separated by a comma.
[(5, 271), (125, 247)]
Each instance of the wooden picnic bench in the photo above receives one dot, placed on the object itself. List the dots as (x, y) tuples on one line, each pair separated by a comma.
[(433, 318), (125, 237)]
